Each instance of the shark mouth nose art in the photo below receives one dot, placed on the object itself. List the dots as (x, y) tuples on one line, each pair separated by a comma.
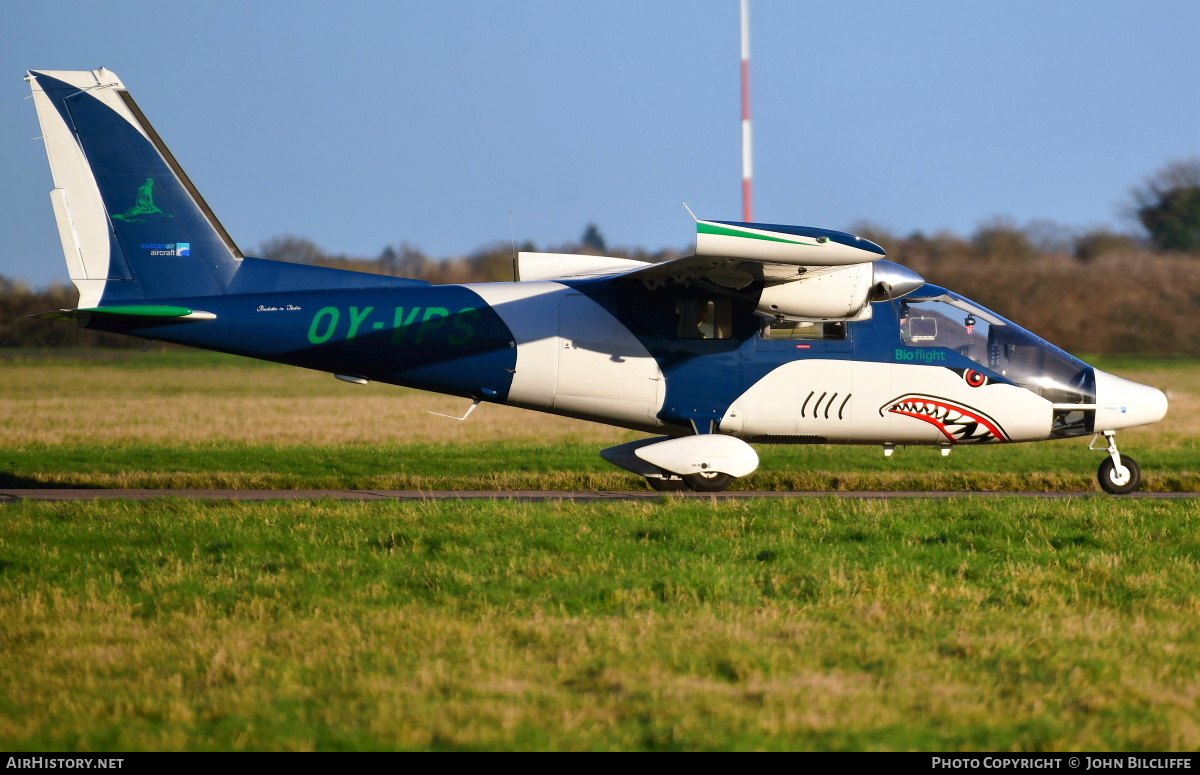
[(959, 423)]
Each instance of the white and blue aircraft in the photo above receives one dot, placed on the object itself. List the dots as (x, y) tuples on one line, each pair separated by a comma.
[(769, 334)]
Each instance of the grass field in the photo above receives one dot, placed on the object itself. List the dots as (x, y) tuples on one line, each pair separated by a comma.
[(1002, 624), (964, 624), (193, 419)]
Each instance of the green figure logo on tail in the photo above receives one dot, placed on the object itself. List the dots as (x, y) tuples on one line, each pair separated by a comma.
[(145, 205)]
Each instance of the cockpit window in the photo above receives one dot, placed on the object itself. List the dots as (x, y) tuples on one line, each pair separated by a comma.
[(950, 321), (922, 329), (939, 322)]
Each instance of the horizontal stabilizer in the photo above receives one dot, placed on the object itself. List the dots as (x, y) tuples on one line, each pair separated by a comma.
[(132, 311)]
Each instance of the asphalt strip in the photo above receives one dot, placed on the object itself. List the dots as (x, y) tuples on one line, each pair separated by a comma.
[(10, 495)]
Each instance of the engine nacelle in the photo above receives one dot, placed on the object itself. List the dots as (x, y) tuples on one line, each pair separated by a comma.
[(839, 293), (827, 294)]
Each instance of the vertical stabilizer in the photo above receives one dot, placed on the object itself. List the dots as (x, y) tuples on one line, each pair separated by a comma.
[(132, 225)]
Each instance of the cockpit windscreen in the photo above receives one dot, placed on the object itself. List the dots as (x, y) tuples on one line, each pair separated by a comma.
[(951, 321)]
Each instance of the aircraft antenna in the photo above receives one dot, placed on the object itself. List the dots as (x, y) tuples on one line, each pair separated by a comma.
[(747, 140), (512, 233)]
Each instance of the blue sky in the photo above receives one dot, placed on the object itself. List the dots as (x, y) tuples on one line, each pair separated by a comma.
[(359, 124)]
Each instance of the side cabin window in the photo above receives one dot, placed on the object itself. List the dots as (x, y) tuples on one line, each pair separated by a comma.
[(704, 319), (810, 330)]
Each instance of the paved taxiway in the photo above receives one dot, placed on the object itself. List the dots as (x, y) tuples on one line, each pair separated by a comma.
[(9, 495)]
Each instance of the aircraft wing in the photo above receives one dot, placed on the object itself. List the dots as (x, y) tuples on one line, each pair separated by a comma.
[(806, 273), (734, 254), (723, 270), (569, 266), (775, 243)]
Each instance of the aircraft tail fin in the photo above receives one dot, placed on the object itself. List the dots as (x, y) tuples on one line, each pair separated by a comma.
[(133, 227)]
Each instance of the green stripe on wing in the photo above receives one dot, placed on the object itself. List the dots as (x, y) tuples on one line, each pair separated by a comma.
[(704, 227)]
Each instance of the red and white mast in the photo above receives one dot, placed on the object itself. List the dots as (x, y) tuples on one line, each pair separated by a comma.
[(747, 142)]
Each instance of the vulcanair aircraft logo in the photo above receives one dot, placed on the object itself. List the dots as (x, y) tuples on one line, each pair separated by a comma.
[(168, 248), (144, 205)]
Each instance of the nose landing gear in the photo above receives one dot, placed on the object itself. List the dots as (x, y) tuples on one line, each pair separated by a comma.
[(1118, 474)]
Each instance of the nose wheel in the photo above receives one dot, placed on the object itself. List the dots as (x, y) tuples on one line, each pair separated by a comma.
[(1118, 474)]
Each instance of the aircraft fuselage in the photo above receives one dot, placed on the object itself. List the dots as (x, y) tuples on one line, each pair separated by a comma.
[(619, 354), (767, 333)]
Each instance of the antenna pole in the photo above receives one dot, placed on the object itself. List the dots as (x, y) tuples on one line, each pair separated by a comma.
[(516, 266), (747, 140)]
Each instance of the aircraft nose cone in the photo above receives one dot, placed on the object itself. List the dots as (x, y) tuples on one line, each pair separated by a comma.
[(1122, 403)]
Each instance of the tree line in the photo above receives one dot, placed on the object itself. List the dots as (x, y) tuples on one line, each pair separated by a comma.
[(1095, 291)]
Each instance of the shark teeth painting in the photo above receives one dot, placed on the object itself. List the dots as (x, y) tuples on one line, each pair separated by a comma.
[(959, 423)]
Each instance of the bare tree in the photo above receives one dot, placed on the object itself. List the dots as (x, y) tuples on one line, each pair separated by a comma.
[(289, 247)]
